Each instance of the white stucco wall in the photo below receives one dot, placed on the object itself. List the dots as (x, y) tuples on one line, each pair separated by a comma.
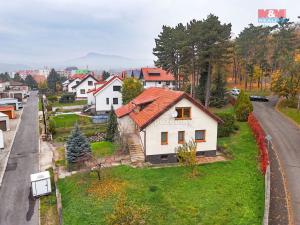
[(90, 98), (72, 84), (107, 92), (84, 85), (166, 123), (148, 84), (126, 125)]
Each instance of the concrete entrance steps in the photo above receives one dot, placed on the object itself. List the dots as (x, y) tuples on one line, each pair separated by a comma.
[(135, 151)]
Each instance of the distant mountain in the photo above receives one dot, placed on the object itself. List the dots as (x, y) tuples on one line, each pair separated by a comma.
[(102, 61), (6, 67)]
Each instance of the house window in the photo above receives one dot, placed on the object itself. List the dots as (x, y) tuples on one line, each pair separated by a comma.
[(199, 135), (183, 113), (90, 83), (116, 88), (164, 138), (168, 83), (107, 101), (115, 101), (82, 91), (77, 82), (159, 82), (180, 137)]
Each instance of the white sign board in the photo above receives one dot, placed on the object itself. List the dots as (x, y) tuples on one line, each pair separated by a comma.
[(40, 183)]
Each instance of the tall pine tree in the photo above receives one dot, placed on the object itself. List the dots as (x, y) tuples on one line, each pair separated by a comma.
[(78, 147), (31, 82), (112, 128), (53, 80), (217, 98)]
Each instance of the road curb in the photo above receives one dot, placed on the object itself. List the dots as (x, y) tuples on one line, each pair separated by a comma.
[(10, 148)]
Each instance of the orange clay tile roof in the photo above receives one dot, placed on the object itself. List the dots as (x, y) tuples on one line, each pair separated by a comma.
[(158, 101), (105, 84), (156, 74)]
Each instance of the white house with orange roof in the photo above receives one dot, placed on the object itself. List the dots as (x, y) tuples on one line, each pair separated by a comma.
[(157, 77), (106, 94), (86, 84), (160, 119)]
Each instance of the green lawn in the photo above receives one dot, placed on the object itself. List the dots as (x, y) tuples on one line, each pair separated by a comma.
[(68, 120), (291, 113), (77, 102), (65, 123), (103, 148), (225, 193)]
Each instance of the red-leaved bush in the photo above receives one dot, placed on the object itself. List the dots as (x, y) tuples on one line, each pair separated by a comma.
[(260, 140)]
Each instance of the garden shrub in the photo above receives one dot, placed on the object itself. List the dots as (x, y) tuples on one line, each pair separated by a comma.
[(243, 107), (291, 103), (49, 107), (52, 98), (67, 98), (52, 126), (261, 142), (228, 127)]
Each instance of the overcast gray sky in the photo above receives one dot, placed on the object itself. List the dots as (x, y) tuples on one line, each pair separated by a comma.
[(51, 30)]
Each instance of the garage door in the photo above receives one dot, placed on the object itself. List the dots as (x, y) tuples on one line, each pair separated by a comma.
[(3, 125)]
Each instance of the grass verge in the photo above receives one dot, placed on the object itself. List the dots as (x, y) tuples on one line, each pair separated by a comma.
[(77, 102), (48, 210)]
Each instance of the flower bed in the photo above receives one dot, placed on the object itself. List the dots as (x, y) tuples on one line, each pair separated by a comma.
[(260, 140)]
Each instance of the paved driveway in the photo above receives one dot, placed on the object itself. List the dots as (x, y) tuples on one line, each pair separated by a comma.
[(286, 141), (17, 207)]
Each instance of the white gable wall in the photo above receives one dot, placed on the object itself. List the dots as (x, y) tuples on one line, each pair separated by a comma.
[(84, 86), (166, 123), (90, 98), (126, 125), (107, 92), (148, 84), (72, 84)]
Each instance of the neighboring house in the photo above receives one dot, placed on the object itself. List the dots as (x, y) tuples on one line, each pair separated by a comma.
[(106, 94), (4, 85), (72, 83), (162, 119), (18, 86), (65, 85), (157, 77), (81, 89)]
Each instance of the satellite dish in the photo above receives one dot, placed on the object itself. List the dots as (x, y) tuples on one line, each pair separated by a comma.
[(174, 114)]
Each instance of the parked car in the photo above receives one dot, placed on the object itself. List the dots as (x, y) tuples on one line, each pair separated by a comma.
[(258, 98), (235, 91)]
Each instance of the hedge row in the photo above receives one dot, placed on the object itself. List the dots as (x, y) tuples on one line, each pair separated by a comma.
[(261, 142)]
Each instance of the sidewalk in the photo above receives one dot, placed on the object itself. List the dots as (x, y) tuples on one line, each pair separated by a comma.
[(9, 137), (46, 155)]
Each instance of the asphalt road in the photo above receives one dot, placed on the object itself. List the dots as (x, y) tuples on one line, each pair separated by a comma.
[(17, 207), (286, 142)]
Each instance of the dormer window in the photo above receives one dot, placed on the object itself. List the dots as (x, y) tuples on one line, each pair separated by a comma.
[(183, 113)]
